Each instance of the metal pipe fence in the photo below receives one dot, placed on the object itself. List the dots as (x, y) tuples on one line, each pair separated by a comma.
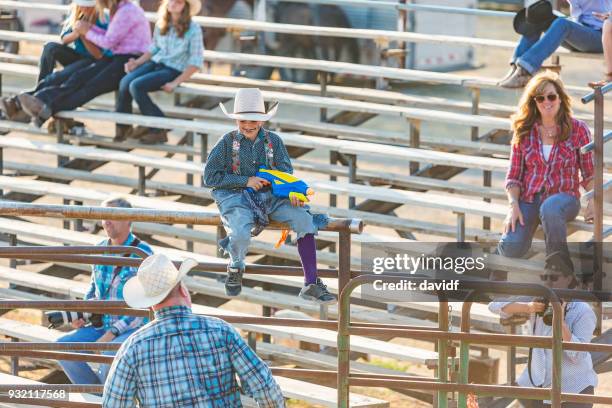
[(441, 385)]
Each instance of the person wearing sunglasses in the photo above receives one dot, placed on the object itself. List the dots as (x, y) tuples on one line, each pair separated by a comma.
[(578, 324), (546, 169)]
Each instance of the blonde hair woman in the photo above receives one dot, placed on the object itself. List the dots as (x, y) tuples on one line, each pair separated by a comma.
[(546, 168), (73, 52), (128, 36), (176, 54)]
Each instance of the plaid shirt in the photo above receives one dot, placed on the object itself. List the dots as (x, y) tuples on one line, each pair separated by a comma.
[(176, 52), (107, 284), (532, 173), (184, 360), (218, 168)]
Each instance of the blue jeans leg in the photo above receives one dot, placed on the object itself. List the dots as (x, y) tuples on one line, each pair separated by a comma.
[(238, 220), (516, 244), (104, 368), (555, 212), (562, 30), (80, 372), (298, 218), (151, 81), (525, 43), (124, 98)]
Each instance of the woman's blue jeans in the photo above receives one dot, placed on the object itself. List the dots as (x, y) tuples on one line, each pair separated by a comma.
[(533, 50), (553, 213)]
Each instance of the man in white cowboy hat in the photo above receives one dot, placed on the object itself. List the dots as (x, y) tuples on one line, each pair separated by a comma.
[(231, 169), (181, 359)]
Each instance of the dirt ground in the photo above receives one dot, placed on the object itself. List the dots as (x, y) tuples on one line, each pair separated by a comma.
[(492, 63)]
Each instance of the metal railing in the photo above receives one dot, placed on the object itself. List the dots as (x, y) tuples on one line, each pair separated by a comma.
[(442, 385)]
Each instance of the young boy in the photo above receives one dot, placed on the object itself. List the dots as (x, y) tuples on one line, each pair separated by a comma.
[(232, 167)]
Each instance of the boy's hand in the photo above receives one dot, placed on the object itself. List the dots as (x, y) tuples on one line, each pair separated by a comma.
[(257, 183), (296, 202), (536, 307)]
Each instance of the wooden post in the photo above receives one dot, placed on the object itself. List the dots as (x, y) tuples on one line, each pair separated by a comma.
[(475, 110), (189, 143), (333, 159), (511, 360), (142, 179), (486, 182), (59, 132), (78, 223), (352, 176), (66, 222), (14, 360), (252, 340), (323, 82), (12, 241), (1, 169), (460, 227), (415, 141), (402, 26)]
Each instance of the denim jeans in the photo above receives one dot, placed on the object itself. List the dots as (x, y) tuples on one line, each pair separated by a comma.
[(99, 77), (55, 52), (553, 213), (238, 220), (57, 78), (149, 77), (80, 372), (533, 50)]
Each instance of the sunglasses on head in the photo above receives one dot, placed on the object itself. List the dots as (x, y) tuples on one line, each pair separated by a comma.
[(550, 97), (550, 277)]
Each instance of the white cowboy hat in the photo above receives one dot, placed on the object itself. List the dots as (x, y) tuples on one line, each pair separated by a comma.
[(156, 277), (249, 105), (85, 3)]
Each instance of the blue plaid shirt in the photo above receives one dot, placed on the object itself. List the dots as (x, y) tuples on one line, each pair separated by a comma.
[(106, 284), (176, 52), (184, 360)]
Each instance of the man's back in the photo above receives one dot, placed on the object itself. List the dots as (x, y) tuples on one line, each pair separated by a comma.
[(184, 360)]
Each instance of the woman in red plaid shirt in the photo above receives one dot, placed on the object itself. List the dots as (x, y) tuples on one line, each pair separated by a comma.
[(546, 168)]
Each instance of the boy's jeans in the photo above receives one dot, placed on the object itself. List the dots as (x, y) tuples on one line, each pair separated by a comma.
[(238, 220)]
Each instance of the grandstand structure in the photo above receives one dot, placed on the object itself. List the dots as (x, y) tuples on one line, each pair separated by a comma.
[(45, 177)]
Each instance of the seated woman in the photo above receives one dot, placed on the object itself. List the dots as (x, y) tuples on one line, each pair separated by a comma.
[(581, 32), (231, 171), (175, 55), (74, 52), (546, 168), (127, 36), (578, 325)]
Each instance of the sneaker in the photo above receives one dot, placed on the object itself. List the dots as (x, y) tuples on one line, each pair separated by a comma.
[(518, 79), (233, 282), (154, 137), (317, 292)]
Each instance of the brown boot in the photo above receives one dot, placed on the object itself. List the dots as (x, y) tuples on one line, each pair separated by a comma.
[(35, 108), (138, 132), (154, 137), (10, 107), (518, 79), (508, 74)]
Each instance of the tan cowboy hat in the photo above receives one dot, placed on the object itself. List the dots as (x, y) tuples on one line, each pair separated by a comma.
[(249, 105), (194, 7), (156, 277)]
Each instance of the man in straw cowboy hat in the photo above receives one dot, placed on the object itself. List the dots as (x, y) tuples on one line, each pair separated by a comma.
[(181, 359), (231, 169)]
